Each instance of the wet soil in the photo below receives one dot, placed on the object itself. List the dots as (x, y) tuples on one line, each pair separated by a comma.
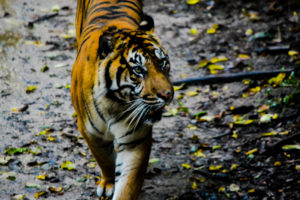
[(213, 144)]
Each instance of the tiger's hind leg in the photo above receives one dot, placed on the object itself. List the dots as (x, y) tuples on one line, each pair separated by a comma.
[(132, 162)]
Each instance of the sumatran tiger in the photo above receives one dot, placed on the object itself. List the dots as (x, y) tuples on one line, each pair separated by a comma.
[(120, 85)]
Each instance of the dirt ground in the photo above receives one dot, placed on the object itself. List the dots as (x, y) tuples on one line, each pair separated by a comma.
[(237, 140)]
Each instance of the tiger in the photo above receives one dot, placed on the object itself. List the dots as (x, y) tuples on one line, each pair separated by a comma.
[(120, 86)]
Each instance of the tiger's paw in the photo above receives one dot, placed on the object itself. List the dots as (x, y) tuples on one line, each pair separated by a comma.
[(105, 189)]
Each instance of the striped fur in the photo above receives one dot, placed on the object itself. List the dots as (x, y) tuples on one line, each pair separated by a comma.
[(119, 87)]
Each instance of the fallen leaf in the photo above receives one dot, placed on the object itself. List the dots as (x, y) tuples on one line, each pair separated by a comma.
[(192, 127), (18, 197), (42, 176), (251, 151), (171, 112), (193, 31), (12, 151), (266, 118), (291, 146), (272, 133), (263, 108), (214, 67), (32, 185), (293, 53), (199, 153), (218, 59), (153, 160), (45, 68), (194, 185), (186, 165), (176, 88), (233, 167), (221, 189), (202, 64), (206, 118), (251, 191), (31, 88), (192, 93), (278, 79), (277, 163), (215, 147), (192, 2), (68, 165), (249, 32), (215, 167), (40, 194)]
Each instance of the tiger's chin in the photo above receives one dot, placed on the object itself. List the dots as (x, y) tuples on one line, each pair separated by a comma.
[(153, 116)]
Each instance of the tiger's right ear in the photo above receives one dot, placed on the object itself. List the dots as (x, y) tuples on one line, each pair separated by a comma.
[(106, 45), (147, 24)]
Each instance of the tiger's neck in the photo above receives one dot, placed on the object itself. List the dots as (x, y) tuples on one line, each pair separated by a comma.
[(103, 13)]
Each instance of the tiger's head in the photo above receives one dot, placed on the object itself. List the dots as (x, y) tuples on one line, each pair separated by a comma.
[(136, 74)]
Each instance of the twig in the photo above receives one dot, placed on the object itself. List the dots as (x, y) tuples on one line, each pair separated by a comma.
[(42, 18), (231, 77)]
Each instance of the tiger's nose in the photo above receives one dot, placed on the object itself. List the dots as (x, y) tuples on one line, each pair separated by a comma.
[(166, 96)]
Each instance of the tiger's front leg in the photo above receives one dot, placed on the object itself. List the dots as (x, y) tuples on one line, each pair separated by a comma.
[(131, 165)]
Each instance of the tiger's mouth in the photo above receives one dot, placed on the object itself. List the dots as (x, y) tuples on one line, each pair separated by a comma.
[(154, 115)]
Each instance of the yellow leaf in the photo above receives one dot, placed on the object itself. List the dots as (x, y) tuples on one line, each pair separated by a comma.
[(244, 95), (15, 110), (215, 26), (193, 31), (186, 165), (284, 133), (202, 64), (246, 81), (180, 96), (233, 167), (211, 31), (199, 154), (297, 167), (35, 43), (19, 197), (192, 127), (194, 185), (256, 89), (221, 189), (178, 87), (218, 59), (251, 151), (51, 139), (215, 67), (235, 135), (215, 168), (42, 176), (31, 88), (251, 190), (268, 134), (192, 2), (91, 165), (68, 165), (38, 194), (293, 53), (249, 32), (278, 79), (192, 93), (243, 57), (291, 146), (277, 163)]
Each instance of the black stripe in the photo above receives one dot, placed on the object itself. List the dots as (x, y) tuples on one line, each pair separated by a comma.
[(135, 142), (111, 17), (130, 2), (96, 5), (88, 113), (91, 30), (138, 11), (82, 43), (97, 109), (128, 133), (107, 75), (119, 74), (110, 8)]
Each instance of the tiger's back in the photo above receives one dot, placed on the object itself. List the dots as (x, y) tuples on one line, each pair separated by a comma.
[(119, 86)]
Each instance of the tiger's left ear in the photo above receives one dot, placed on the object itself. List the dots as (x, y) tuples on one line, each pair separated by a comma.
[(147, 24)]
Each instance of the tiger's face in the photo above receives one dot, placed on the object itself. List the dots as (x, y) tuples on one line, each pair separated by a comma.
[(137, 74)]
